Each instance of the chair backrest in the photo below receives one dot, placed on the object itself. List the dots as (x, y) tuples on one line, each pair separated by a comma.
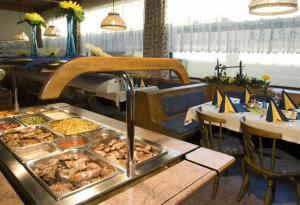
[(206, 122), (256, 157)]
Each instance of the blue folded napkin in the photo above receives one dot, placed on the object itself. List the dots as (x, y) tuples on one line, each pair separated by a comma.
[(274, 113), (217, 99), (241, 108), (246, 96), (228, 106), (287, 102)]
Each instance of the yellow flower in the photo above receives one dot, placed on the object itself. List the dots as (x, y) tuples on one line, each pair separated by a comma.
[(265, 77), (70, 5), (34, 17)]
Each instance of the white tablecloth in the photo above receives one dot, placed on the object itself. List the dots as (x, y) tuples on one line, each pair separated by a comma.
[(290, 130), (120, 96)]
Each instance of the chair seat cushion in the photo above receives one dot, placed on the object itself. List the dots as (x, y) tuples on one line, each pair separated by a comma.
[(176, 125), (229, 145), (284, 163)]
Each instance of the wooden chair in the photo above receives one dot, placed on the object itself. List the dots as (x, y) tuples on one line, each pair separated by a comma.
[(219, 142), (271, 163)]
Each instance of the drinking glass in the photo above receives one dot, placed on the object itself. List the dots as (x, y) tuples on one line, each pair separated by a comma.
[(277, 98)]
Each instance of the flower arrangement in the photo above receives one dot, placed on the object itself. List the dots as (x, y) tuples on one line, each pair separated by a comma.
[(237, 81), (70, 8), (266, 85), (33, 19)]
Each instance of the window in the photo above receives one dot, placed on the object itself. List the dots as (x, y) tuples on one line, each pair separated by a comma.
[(127, 41), (284, 69), (225, 30), (227, 26)]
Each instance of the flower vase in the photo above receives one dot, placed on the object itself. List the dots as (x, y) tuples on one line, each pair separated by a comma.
[(70, 51), (34, 51)]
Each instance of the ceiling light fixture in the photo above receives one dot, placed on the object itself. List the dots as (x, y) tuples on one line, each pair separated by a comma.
[(113, 21), (272, 7), (21, 36)]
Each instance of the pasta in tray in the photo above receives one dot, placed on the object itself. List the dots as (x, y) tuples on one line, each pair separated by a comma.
[(73, 126)]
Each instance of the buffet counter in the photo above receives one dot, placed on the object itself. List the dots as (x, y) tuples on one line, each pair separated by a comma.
[(165, 178)]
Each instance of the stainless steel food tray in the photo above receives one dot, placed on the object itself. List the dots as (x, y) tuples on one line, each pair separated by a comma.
[(100, 126), (71, 137), (20, 117), (102, 134), (8, 116), (46, 113), (58, 196), (10, 120), (159, 150), (26, 111), (23, 152), (56, 136), (82, 116)]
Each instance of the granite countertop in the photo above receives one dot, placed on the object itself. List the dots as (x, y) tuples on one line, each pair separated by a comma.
[(170, 186), (7, 194)]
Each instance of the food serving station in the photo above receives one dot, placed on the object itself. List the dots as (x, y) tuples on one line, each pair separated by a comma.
[(73, 159), (61, 154)]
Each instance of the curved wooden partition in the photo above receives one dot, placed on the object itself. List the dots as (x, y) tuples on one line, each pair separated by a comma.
[(67, 72)]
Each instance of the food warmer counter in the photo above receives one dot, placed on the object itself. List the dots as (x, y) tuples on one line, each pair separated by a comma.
[(57, 154)]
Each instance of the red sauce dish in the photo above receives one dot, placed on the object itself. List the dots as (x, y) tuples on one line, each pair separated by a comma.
[(73, 141)]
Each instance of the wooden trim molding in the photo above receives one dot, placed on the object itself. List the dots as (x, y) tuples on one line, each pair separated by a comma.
[(67, 72)]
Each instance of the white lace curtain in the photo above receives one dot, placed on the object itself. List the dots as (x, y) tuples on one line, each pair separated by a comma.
[(129, 40), (227, 26), (57, 42)]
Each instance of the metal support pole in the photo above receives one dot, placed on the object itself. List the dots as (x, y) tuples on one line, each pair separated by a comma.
[(131, 166), (15, 94)]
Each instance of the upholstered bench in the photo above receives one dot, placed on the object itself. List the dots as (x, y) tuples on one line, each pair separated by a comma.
[(178, 105), (164, 111)]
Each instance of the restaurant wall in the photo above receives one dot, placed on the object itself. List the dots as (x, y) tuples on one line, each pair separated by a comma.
[(8, 25)]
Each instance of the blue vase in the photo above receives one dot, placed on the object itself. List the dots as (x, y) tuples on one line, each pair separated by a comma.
[(70, 51), (265, 104), (34, 51)]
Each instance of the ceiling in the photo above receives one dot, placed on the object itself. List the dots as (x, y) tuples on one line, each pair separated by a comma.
[(26, 5)]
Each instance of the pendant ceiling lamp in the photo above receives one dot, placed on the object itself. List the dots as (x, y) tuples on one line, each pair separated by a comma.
[(272, 7), (51, 31), (21, 36), (113, 21)]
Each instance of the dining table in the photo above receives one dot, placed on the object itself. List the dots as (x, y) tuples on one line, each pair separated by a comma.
[(255, 117)]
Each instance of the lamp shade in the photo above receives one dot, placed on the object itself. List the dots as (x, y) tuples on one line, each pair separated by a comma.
[(52, 32), (113, 21), (272, 7), (21, 36)]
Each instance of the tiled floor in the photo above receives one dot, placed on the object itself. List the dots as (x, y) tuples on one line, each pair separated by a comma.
[(230, 185)]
